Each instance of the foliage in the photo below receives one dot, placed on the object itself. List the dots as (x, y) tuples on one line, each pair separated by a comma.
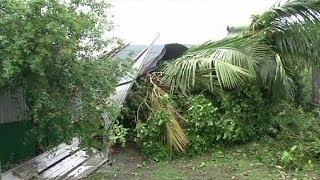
[(228, 63), (298, 135), (165, 124), (52, 50), (303, 97), (249, 112), (135, 107), (175, 135), (240, 116), (248, 76), (291, 27), (151, 136), (117, 134), (276, 43), (203, 119)]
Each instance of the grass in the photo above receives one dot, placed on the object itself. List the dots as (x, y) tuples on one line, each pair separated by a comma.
[(250, 161)]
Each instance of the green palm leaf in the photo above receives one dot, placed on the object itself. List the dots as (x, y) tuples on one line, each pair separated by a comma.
[(299, 44), (293, 33), (228, 63), (279, 39), (292, 12), (294, 30)]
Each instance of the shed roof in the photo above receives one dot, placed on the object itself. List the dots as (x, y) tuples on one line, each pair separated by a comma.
[(134, 50)]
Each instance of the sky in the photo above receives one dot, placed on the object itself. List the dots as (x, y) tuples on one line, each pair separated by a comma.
[(181, 21)]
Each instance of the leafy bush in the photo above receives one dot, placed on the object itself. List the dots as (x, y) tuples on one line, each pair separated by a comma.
[(203, 121), (246, 114), (239, 116), (294, 123), (150, 136), (242, 116)]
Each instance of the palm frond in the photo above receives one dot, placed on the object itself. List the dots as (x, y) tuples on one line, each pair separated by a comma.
[(292, 12), (175, 136), (273, 76), (282, 81), (293, 33), (293, 28), (298, 10), (299, 44), (228, 63)]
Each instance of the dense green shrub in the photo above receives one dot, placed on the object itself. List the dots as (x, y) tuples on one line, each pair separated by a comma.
[(135, 107), (203, 120), (242, 116), (150, 136), (248, 114)]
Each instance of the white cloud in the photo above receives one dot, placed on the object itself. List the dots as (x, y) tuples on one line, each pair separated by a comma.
[(182, 21)]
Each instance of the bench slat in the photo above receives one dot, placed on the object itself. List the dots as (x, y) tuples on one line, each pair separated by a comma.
[(38, 164), (87, 168), (61, 168)]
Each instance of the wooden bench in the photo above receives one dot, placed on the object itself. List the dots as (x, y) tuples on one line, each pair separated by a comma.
[(46, 160), (65, 166), (63, 162)]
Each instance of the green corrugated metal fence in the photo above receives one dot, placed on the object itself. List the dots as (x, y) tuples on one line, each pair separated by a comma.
[(15, 144)]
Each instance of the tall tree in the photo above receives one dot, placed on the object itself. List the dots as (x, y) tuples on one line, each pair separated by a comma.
[(51, 49)]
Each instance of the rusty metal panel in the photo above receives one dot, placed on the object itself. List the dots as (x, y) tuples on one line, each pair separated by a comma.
[(12, 106)]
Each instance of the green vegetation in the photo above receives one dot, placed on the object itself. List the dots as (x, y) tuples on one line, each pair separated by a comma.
[(241, 117), (243, 99), (250, 161), (243, 89), (52, 51)]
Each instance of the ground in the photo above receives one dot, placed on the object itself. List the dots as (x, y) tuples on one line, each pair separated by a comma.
[(240, 162)]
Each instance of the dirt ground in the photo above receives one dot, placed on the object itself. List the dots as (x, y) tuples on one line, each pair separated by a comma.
[(125, 163)]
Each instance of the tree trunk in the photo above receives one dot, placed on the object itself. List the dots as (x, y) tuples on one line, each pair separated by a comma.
[(316, 85)]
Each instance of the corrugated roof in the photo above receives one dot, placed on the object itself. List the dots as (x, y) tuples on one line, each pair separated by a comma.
[(12, 106), (134, 50)]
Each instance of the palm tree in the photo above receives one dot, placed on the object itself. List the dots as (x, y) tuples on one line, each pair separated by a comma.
[(284, 39)]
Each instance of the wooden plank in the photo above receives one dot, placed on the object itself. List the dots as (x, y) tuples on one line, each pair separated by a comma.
[(8, 175), (87, 168), (60, 169), (38, 164)]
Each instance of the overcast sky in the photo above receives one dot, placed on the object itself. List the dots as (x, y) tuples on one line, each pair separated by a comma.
[(181, 21)]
